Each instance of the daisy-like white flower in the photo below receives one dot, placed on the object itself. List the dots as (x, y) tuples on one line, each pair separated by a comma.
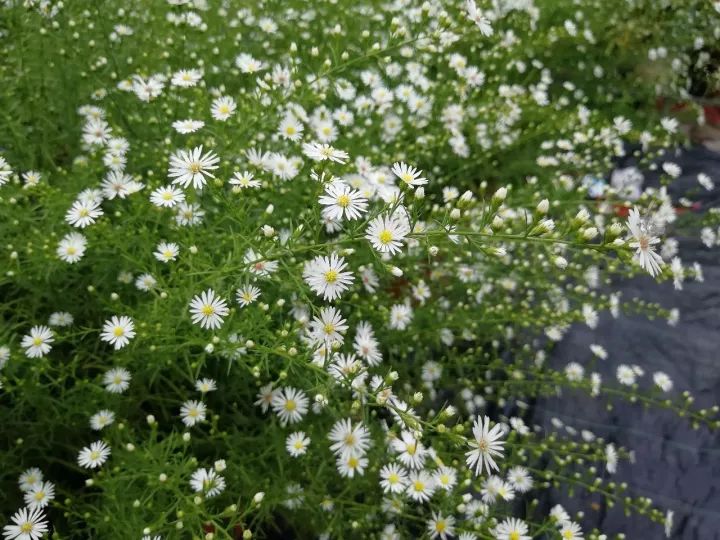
[(27, 524), (117, 184), (441, 526), (349, 440), (189, 214), (421, 486), (208, 310), (326, 276), (205, 385), (409, 175), (207, 482), (30, 478), (328, 328), (31, 179), (321, 152), (193, 412), (40, 495), (247, 294), (349, 466), (475, 15), (145, 282), (167, 196), (400, 316), (393, 478), (72, 247), (365, 344), (117, 380), (5, 171), (486, 445), (192, 167), (223, 108), (340, 200), (37, 342), (445, 478), (297, 444), (257, 265), (61, 318), (83, 213), (118, 331), (643, 240), (387, 232), (166, 251), (411, 451), (93, 456), (511, 529), (186, 78), (571, 531), (244, 180), (265, 396), (290, 405), (520, 479), (101, 419), (290, 128), (187, 126), (248, 64)]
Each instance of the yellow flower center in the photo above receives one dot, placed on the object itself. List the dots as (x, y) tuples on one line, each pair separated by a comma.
[(207, 310), (290, 130), (168, 254), (39, 496), (407, 178), (26, 527), (290, 405), (71, 250), (568, 535), (385, 236), (118, 331), (298, 445), (331, 276), (83, 212), (353, 462), (195, 167), (393, 478), (440, 526), (343, 200), (419, 485), (37, 341), (514, 535), (329, 328), (350, 439), (411, 448), (94, 455)]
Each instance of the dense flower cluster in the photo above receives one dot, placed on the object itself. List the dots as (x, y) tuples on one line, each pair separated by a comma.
[(293, 269)]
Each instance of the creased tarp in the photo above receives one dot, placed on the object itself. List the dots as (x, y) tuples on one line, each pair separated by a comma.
[(676, 466)]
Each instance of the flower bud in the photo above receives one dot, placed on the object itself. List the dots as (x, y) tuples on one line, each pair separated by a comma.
[(420, 193), (543, 206), (499, 195), (560, 262)]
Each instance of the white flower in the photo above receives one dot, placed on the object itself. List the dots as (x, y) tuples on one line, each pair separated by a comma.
[(340, 200), (328, 328), (409, 175), (440, 526), (321, 152), (30, 478), (40, 495), (192, 167), (187, 126), (411, 451), (348, 440), (37, 343), (244, 180), (101, 419), (117, 380), (94, 456), (207, 482), (167, 196), (186, 77), (290, 405), (223, 108), (247, 294), (475, 15), (297, 443), (326, 276), (387, 232), (644, 240), (192, 412), (208, 310), (205, 385), (72, 247), (118, 331), (420, 486), (486, 445), (349, 466), (290, 128), (28, 524), (83, 213), (393, 478), (571, 531), (400, 316), (511, 529), (166, 251)]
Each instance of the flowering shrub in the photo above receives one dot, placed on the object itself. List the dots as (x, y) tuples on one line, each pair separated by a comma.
[(293, 269)]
